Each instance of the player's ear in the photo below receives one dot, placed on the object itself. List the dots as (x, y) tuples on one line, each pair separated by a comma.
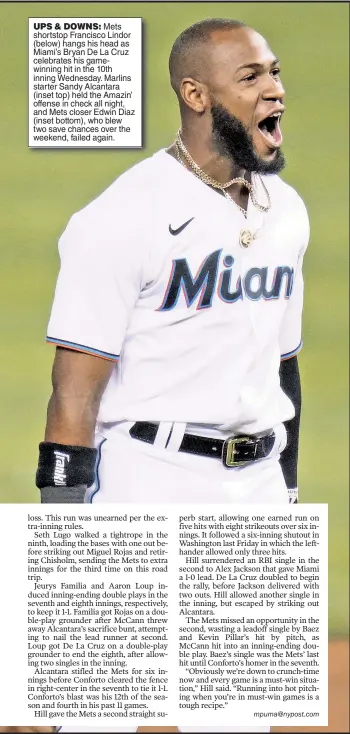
[(194, 94)]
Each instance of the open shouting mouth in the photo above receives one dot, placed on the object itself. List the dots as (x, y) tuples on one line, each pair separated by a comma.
[(270, 129)]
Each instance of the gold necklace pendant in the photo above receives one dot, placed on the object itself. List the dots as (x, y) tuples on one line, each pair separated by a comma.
[(246, 237)]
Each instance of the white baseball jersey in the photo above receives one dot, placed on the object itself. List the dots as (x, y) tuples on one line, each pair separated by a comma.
[(153, 277)]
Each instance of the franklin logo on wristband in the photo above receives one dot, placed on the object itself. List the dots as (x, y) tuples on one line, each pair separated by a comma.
[(64, 472), (60, 477)]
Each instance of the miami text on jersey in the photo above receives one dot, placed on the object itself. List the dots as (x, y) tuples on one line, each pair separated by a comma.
[(255, 284)]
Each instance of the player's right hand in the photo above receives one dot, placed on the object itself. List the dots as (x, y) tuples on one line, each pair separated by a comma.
[(25, 729)]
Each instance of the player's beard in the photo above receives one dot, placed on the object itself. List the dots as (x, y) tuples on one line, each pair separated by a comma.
[(231, 139)]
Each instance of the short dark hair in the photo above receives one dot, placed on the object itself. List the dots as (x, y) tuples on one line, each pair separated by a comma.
[(184, 53)]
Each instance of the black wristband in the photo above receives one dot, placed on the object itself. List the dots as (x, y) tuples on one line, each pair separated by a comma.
[(65, 466)]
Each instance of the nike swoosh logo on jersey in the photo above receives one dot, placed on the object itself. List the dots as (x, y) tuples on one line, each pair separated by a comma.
[(179, 229)]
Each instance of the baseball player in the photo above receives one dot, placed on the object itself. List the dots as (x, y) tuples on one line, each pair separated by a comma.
[(177, 311)]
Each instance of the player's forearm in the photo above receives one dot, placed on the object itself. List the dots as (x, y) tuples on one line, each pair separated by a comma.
[(71, 419), (78, 382)]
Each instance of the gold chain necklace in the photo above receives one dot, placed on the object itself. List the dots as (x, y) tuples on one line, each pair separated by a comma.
[(246, 236), (205, 176), (210, 181)]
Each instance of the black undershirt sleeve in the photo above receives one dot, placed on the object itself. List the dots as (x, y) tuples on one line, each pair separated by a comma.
[(290, 384)]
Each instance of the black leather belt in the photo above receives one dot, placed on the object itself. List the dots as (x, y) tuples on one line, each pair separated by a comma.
[(234, 451)]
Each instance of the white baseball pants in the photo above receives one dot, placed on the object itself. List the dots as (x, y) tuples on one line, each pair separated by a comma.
[(130, 470)]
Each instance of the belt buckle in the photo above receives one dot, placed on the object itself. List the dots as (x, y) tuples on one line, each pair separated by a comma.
[(229, 450)]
